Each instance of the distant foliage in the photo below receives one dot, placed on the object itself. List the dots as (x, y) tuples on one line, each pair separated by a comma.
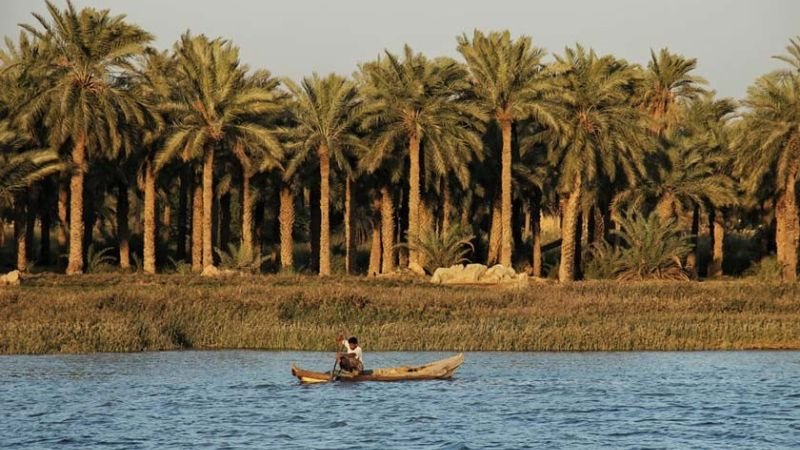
[(443, 249), (651, 248)]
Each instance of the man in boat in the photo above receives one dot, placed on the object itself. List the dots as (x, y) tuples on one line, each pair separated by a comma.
[(351, 360)]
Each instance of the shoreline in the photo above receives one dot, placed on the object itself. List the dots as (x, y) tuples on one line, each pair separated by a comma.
[(54, 314)]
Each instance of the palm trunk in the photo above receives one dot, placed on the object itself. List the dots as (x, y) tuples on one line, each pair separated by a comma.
[(75, 259), (526, 224), (506, 241), (536, 236), (123, 231), (375, 250), (247, 218), (2, 233), (717, 222), (149, 263), (314, 228), (197, 227), (566, 270), (387, 230), (691, 258), (62, 230), (413, 199), (349, 247), (324, 209), (286, 218), (183, 206), (495, 233), (166, 221), (20, 230), (788, 229), (208, 205), (89, 218)]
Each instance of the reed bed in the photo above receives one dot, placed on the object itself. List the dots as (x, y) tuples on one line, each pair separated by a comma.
[(128, 313)]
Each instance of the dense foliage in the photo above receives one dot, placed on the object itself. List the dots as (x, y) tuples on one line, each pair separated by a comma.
[(417, 161)]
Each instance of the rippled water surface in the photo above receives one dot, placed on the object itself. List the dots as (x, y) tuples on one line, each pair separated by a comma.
[(248, 399)]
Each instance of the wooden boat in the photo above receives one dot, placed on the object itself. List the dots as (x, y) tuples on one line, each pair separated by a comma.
[(436, 370)]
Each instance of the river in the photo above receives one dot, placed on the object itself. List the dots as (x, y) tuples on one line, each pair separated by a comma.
[(248, 399)]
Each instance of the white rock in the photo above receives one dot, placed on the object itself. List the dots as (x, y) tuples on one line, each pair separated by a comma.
[(10, 279)]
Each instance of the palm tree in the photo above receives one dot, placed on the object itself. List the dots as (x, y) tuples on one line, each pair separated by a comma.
[(151, 85), (325, 112), (215, 110), (84, 105), (667, 85), (21, 81), (768, 144), (509, 78), (415, 100), (257, 150), (602, 137)]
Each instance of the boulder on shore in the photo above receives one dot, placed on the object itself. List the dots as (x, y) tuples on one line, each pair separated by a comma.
[(10, 279), (477, 274)]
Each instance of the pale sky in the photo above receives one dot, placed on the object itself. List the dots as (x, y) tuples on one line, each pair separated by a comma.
[(733, 40)]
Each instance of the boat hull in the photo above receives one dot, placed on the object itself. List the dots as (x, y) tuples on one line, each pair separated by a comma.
[(436, 370)]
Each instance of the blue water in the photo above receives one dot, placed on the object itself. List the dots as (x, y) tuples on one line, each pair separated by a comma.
[(248, 399)]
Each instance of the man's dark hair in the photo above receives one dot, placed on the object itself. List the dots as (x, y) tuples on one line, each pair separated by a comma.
[(353, 340)]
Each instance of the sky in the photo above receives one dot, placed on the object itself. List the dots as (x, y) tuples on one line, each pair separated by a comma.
[(733, 40)]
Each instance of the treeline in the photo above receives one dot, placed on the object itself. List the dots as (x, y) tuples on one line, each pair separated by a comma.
[(187, 159)]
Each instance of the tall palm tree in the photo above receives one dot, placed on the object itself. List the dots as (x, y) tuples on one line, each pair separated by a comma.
[(602, 136), (215, 109), (151, 85), (326, 114), (21, 81), (768, 145), (509, 78), (416, 101), (668, 83), (257, 152), (84, 105)]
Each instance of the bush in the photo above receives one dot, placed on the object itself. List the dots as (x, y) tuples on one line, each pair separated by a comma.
[(442, 249), (652, 249)]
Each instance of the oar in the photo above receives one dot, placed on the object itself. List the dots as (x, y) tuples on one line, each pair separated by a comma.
[(336, 361)]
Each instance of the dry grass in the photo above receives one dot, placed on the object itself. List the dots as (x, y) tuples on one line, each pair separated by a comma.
[(54, 313)]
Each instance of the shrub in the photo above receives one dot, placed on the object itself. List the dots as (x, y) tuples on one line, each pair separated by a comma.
[(443, 249), (652, 249)]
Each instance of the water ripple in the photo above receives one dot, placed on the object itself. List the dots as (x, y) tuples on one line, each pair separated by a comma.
[(247, 399)]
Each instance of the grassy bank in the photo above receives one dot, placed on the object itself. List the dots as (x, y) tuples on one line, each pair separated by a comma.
[(51, 314)]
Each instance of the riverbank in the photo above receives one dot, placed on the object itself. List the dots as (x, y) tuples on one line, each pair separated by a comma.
[(121, 313)]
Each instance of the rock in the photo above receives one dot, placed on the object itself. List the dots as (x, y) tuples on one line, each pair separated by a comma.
[(10, 279), (458, 274), (472, 273), (501, 273), (478, 274)]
